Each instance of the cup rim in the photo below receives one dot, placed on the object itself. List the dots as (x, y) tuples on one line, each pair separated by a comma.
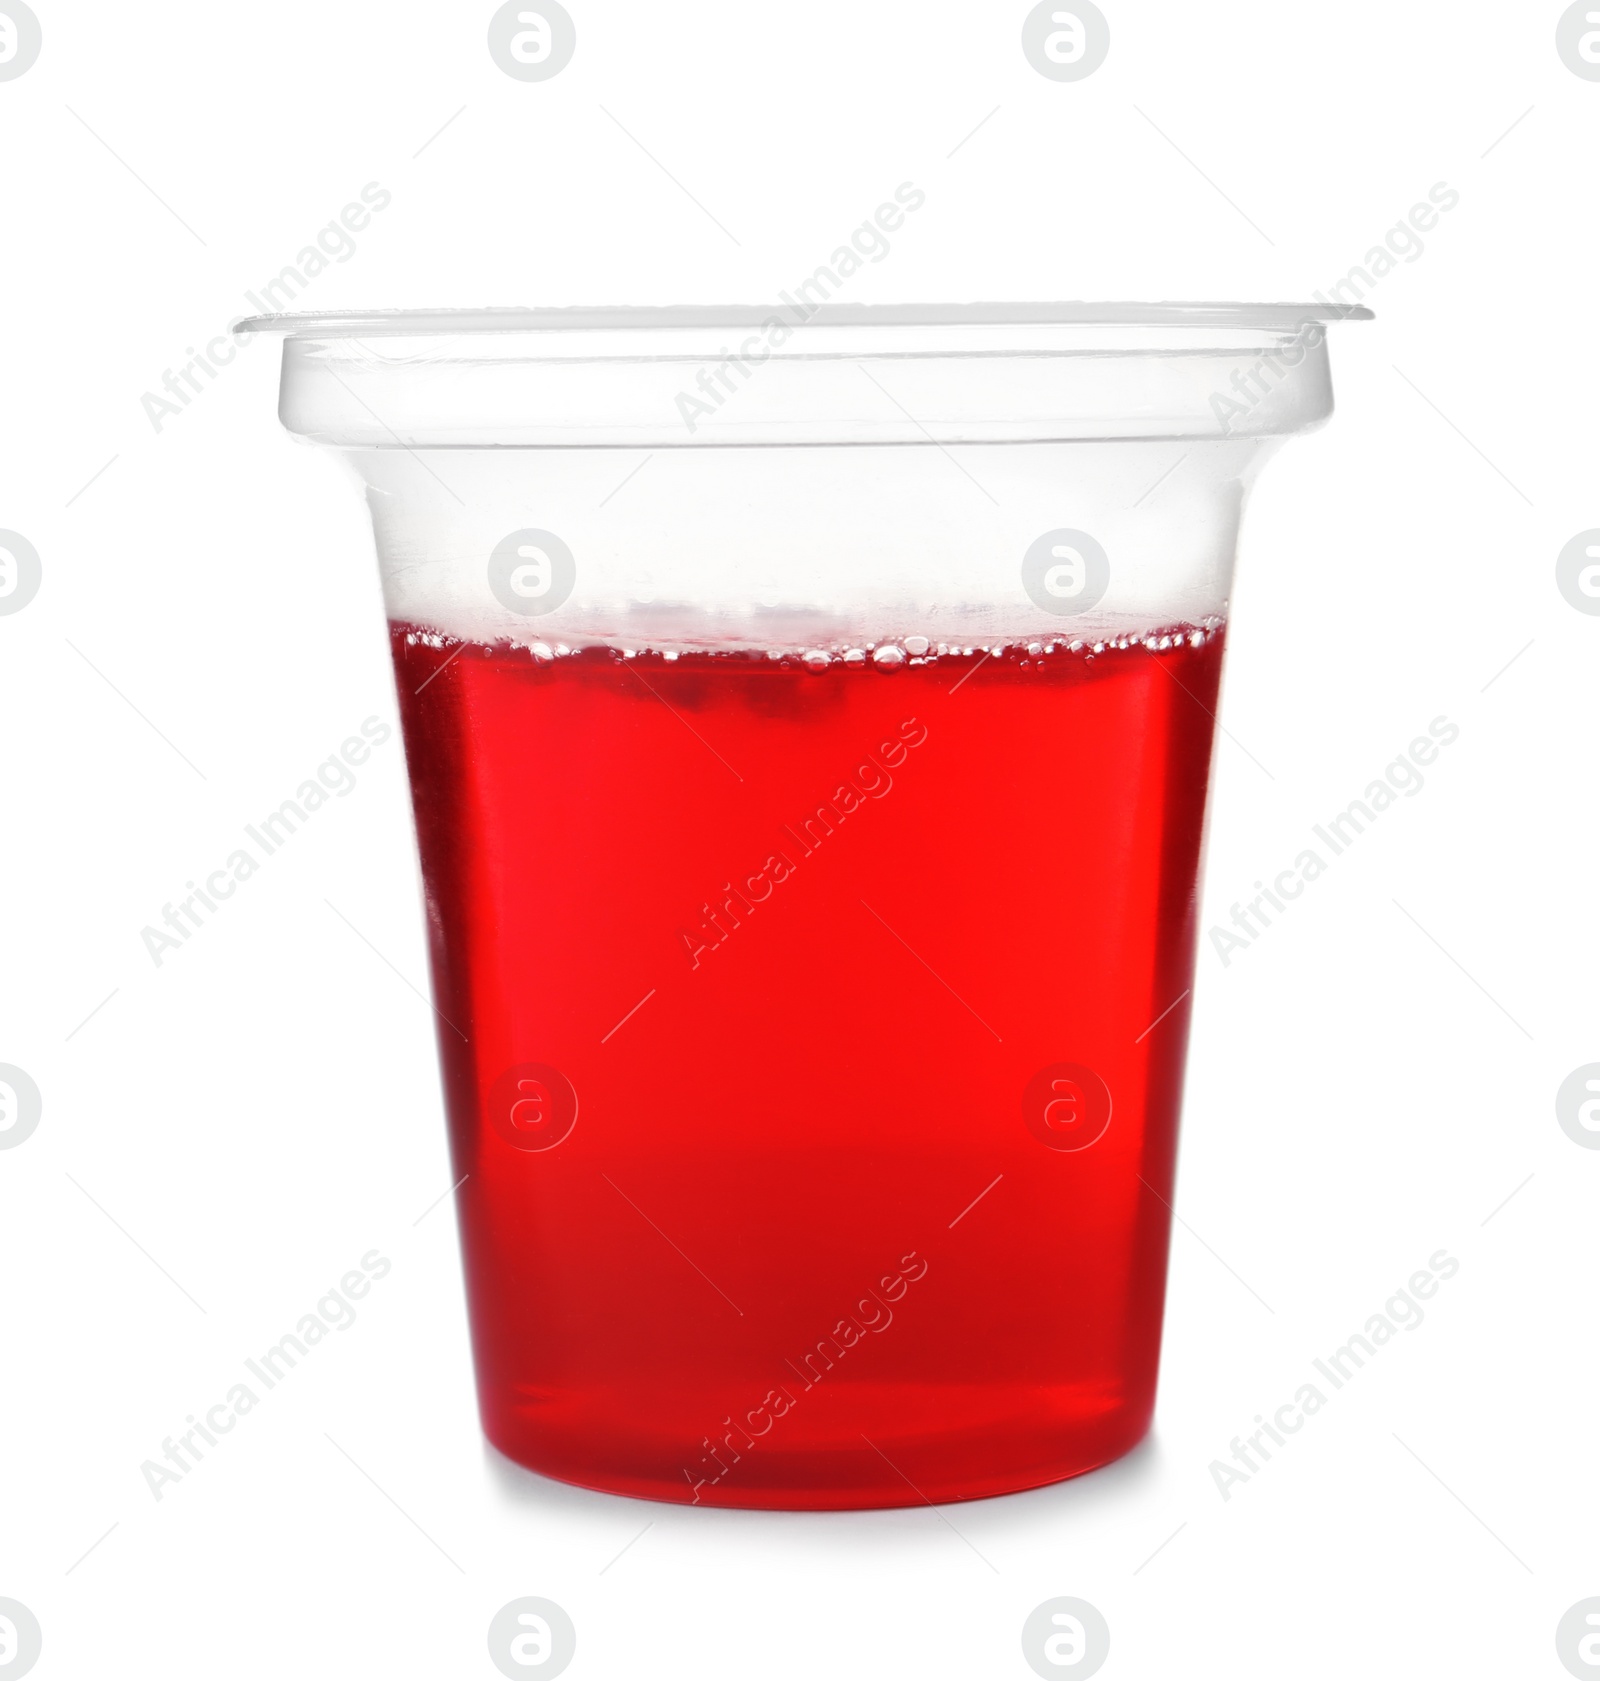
[(434, 323)]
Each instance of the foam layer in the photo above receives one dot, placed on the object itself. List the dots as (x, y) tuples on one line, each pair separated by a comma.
[(885, 654)]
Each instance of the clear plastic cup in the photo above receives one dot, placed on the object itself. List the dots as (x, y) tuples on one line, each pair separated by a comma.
[(809, 724)]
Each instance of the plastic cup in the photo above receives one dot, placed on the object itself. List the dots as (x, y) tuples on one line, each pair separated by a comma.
[(809, 719)]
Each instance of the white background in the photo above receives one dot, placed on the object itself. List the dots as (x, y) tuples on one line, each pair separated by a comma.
[(1364, 1088)]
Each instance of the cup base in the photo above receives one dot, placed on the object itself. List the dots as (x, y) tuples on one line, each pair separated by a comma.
[(877, 1475)]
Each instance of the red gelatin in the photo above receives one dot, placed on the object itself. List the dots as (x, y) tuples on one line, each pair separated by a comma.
[(813, 1053)]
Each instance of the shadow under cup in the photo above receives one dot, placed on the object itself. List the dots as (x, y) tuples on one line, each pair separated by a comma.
[(809, 725)]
